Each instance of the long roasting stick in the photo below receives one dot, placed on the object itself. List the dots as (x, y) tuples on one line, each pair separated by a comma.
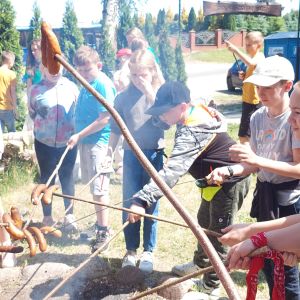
[(207, 231), (170, 195)]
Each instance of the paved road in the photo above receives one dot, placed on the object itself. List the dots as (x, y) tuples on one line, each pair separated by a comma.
[(206, 78)]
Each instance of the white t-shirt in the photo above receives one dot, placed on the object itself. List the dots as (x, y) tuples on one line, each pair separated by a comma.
[(272, 137)]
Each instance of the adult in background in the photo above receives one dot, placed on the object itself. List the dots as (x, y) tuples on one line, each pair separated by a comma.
[(33, 73), (51, 107), (8, 97)]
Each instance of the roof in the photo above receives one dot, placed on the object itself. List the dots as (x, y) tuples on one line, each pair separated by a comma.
[(282, 35)]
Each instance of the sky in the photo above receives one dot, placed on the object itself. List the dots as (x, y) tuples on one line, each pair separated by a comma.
[(89, 11)]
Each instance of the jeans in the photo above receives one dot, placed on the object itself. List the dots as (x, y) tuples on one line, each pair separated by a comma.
[(48, 157), (134, 178), (292, 287), (215, 215), (7, 119)]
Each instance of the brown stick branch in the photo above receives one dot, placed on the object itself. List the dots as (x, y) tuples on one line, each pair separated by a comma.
[(207, 231)]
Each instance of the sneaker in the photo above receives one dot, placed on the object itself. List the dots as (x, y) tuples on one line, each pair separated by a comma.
[(214, 293), (129, 259), (48, 221), (70, 223), (146, 262), (185, 269), (102, 236)]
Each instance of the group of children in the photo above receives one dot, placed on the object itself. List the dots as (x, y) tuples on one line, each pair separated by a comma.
[(269, 146)]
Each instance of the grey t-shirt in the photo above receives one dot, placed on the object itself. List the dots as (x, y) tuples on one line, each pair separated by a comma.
[(272, 137), (131, 105)]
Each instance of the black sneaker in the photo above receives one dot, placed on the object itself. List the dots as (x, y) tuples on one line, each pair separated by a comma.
[(102, 236)]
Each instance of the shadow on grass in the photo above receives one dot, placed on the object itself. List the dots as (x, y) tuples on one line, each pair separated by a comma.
[(239, 278)]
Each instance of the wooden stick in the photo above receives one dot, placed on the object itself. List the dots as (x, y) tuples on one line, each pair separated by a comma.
[(189, 276), (2, 224), (207, 231), (84, 263)]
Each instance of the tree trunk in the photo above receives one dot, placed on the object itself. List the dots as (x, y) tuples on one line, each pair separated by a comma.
[(110, 19)]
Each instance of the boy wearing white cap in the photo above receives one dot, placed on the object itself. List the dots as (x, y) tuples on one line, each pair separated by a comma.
[(275, 157)]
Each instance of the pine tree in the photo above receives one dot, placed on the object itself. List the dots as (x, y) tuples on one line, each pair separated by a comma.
[(9, 41), (180, 65), (106, 52), (166, 56), (161, 21), (35, 24), (71, 37), (192, 20), (125, 23), (149, 32)]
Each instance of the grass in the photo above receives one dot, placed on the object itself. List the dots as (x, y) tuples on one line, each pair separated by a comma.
[(216, 56)]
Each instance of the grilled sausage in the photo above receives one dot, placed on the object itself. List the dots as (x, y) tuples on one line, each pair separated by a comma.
[(31, 242), (39, 237), (12, 229), (47, 197), (51, 230), (16, 217)]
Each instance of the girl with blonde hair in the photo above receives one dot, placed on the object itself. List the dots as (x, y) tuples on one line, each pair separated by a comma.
[(132, 105)]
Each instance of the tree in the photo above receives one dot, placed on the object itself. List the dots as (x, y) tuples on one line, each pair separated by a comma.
[(107, 53), (161, 21), (9, 41), (125, 23), (192, 20), (71, 37), (229, 22), (110, 18), (166, 56), (35, 24), (169, 15), (149, 32), (291, 20), (184, 17), (181, 73)]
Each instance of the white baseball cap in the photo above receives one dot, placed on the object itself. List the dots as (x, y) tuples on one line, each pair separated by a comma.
[(271, 70)]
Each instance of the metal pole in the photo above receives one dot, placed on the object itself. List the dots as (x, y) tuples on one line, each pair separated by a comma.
[(298, 47)]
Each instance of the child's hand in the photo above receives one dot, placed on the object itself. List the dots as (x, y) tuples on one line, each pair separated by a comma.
[(230, 46), (234, 234), (242, 75)]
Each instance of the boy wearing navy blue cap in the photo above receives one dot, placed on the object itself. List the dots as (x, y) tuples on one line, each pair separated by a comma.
[(201, 144)]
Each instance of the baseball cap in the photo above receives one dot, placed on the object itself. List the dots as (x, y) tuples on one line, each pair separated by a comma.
[(168, 96), (271, 70), (123, 52)]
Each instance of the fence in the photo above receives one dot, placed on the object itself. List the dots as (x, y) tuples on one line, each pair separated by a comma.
[(208, 40)]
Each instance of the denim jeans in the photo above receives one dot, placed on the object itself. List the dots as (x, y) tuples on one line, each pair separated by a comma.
[(7, 119), (292, 285), (134, 178), (215, 215), (48, 158)]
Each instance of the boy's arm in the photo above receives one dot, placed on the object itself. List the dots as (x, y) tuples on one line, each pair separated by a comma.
[(182, 157), (96, 126), (243, 56), (13, 93)]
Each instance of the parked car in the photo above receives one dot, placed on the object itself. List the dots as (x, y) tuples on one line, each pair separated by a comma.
[(232, 79)]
